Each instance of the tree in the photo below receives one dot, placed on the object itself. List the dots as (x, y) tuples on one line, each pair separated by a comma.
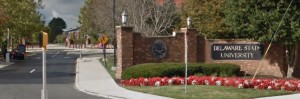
[(22, 17), (56, 25), (86, 16), (151, 18), (2, 16), (259, 20), (145, 15), (96, 17), (207, 17)]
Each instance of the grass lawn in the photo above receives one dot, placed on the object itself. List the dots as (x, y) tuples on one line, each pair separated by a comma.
[(207, 92), (110, 63), (199, 91)]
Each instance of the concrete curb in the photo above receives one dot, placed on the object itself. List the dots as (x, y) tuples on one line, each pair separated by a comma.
[(6, 64)]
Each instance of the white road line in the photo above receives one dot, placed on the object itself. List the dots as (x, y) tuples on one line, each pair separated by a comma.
[(32, 71), (55, 54)]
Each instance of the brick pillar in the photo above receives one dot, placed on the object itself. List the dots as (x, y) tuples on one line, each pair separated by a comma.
[(124, 49), (192, 43)]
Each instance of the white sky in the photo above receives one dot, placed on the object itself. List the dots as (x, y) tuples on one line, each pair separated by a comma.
[(68, 10)]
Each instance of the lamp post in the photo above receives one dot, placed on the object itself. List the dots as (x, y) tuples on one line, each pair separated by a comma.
[(124, 18), (188, 21), (186, 53)]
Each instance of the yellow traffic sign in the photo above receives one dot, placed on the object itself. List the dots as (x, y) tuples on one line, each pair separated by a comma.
[(103, 39)]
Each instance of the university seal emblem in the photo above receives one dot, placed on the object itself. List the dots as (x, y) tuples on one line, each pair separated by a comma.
[(159, 49)]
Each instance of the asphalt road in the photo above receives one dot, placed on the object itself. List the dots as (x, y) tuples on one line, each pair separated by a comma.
[(23, 80)]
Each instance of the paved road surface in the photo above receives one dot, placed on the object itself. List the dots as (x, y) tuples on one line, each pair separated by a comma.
[(23, 80)]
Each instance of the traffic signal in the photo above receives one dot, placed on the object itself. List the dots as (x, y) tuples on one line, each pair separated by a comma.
[(40, 39), (43, 39)]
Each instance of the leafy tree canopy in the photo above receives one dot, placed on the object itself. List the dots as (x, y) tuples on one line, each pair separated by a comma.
[(56, 25), (21, 16), (259, 19), (207, 17), (2, 16)]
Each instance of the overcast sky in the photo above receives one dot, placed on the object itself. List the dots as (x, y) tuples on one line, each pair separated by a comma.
[(69, 10)]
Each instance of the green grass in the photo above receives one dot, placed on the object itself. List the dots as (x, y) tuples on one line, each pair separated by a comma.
[(110, 63), (207, 92)]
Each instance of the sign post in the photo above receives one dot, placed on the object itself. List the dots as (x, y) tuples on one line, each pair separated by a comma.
[(103, 40), (44, 48)]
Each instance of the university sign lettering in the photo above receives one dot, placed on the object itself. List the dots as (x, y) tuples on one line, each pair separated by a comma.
[(237, 51)]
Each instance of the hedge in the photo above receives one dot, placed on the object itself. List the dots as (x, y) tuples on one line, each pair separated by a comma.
[(178, 69)]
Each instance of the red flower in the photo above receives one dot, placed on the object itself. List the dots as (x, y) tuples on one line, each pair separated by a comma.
[(275, 84)]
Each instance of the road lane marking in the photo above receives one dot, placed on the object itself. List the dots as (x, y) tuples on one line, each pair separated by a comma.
[(32, 71), (55, 54)]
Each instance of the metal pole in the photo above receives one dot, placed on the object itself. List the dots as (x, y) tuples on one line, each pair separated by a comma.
[(115, 37), (44, 90), (7, 46), (186, 60), (104, 54), (81, 54)]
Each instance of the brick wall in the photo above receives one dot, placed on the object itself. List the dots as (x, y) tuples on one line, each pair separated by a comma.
[(133, 48), (124, 49), (143, 48)]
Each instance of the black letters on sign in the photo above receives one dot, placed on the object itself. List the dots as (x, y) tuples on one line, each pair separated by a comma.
[(237, 51)]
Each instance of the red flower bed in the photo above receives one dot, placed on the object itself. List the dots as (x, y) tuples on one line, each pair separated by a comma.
[(272, 84)]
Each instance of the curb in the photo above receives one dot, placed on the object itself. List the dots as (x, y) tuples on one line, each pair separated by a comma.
[(6, 64), (80, 88)]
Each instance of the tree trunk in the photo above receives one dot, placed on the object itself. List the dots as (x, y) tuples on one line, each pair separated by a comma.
[(290, 72), (291, 56)]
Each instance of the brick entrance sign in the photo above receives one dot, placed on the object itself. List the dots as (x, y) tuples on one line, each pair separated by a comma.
[(133, 48)]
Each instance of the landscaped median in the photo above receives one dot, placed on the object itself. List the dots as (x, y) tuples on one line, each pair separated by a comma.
[(150, 78), (207, 87)]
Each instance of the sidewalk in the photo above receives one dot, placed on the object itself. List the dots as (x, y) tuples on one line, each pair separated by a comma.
[(92, 78), (293, 96)]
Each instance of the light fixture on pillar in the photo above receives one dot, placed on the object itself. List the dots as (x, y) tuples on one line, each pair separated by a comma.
[(189, 21), (124, 18)]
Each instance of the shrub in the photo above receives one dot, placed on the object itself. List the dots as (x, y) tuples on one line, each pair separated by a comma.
[(223, 69), (59, 39), (210, 69), (178, 69), (228, 70)]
